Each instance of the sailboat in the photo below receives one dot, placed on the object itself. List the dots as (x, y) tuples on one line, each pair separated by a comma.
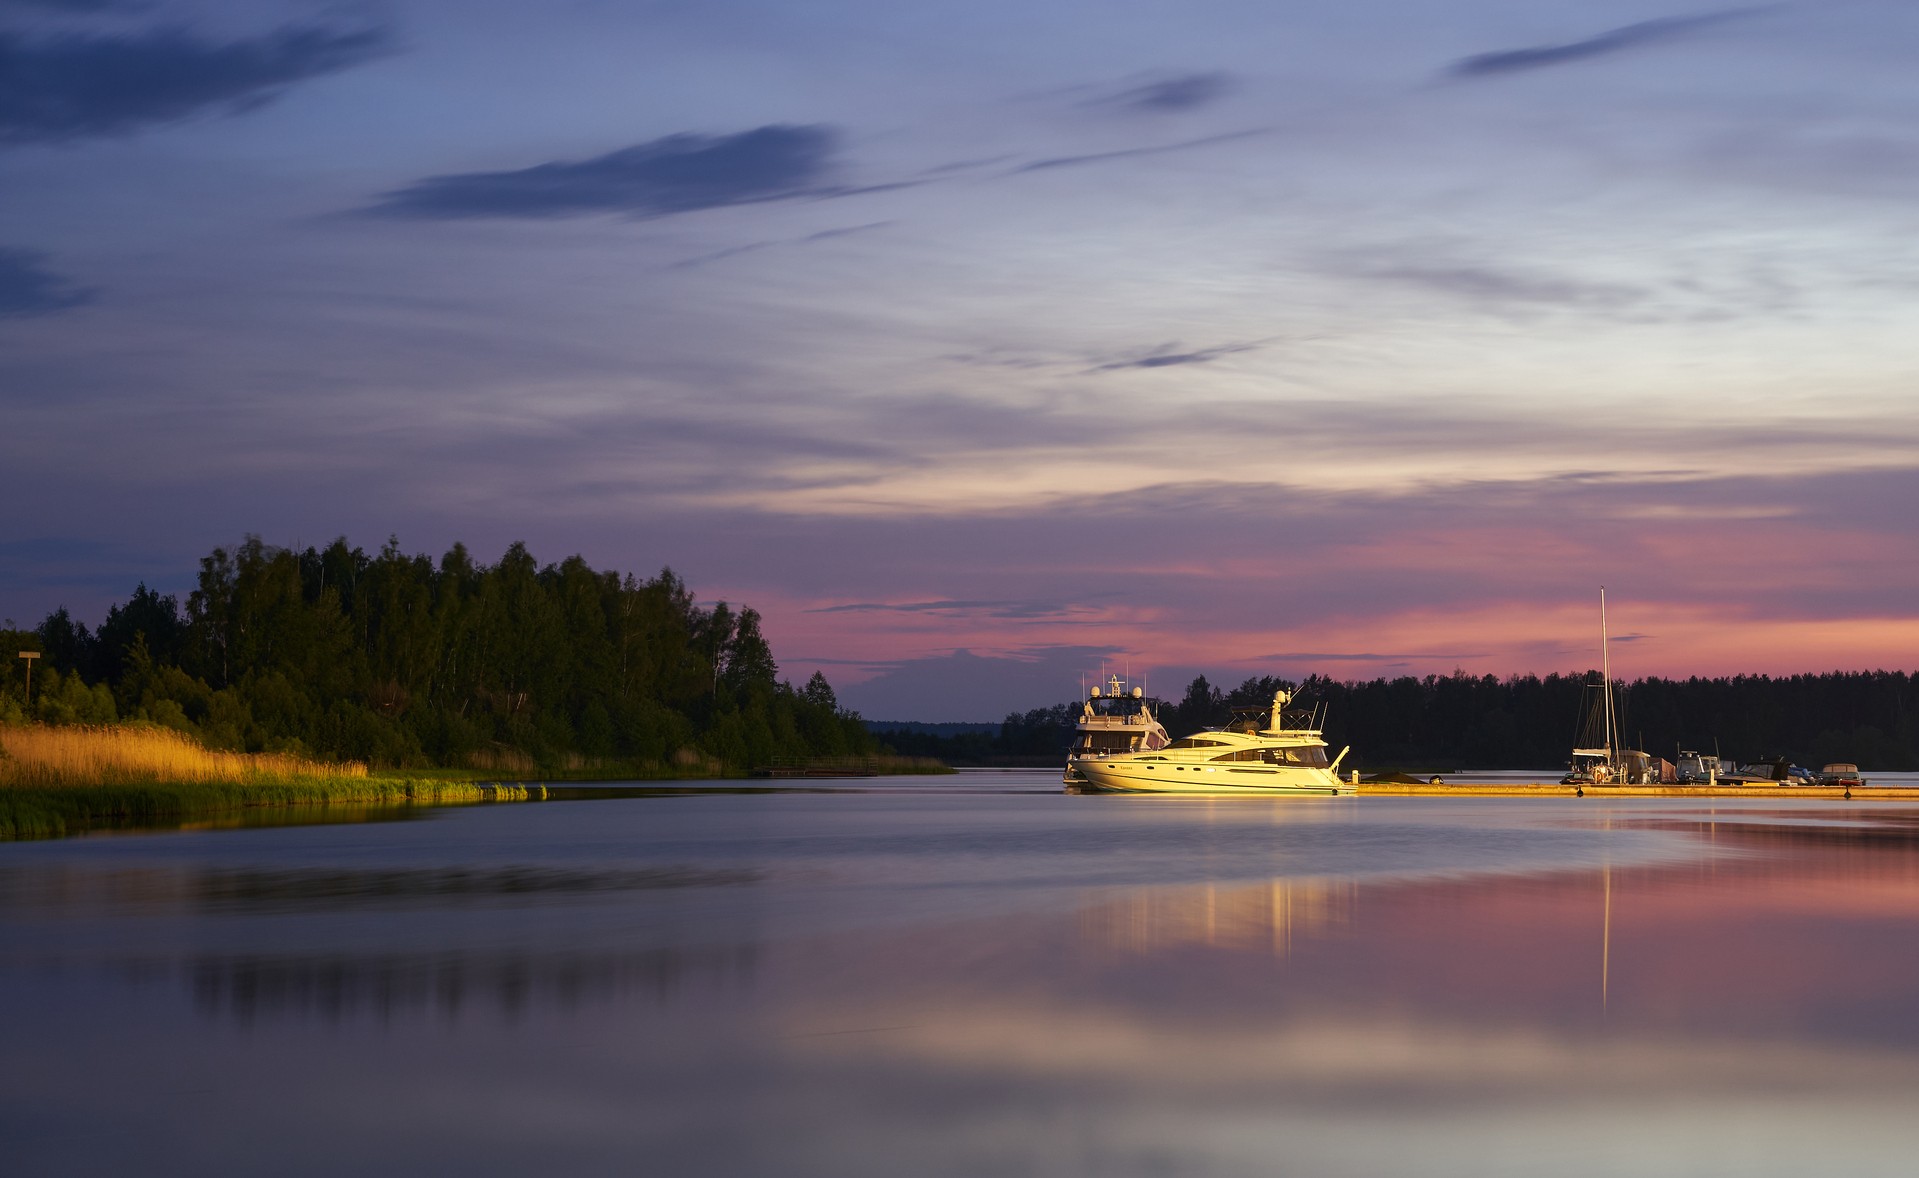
[(1596, 757)]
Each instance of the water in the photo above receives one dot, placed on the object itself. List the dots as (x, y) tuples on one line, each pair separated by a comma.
[(974, 976)]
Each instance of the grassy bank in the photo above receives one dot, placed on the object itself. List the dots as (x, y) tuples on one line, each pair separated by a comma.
[(34, 812), (69, 779), (57, 781), (64, 756)]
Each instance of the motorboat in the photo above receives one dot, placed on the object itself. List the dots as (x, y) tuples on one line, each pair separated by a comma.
[(1697, 768), (1113, 720), (1771, 771), (1841, 773), (1264, 751)]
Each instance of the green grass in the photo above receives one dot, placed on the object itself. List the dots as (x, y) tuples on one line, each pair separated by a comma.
[(41, 812), (60, 781)]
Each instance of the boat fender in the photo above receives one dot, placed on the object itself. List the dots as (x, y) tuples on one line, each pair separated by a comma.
[(1578, 792)]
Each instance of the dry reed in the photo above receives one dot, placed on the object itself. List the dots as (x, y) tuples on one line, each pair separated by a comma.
[(42, 755)]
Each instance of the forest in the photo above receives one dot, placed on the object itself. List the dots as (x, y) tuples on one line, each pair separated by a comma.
[(1459, 721), (399, 660)]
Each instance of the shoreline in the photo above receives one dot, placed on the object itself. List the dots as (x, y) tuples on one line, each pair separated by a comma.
[(35, 812), (38, 812), (1554, 789)]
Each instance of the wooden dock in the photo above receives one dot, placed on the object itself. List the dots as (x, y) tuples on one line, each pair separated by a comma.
[(1829, 793)]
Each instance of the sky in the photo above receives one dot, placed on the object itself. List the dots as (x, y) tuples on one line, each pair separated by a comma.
[(985, 346)]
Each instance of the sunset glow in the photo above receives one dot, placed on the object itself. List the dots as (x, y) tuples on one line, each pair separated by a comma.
[(981, 346)]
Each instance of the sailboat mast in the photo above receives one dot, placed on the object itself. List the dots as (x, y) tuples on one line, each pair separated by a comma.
[(1605, 664)]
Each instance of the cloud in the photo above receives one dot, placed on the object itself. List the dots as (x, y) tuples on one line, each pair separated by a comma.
[(1482, 284), (965, 686), (756, 246), (28, 288), (1423, 657), (1164, 357), (70, 86), (73, 5), (1633, 36), (1100, 157), (37, 572), (1187, 92), (677, 174), (1483, 280), (1052, 611)]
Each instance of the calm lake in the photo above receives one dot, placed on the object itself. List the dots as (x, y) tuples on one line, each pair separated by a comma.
[(974, 976)]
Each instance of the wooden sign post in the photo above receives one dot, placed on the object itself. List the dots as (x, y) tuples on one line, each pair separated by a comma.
[(29, 655)]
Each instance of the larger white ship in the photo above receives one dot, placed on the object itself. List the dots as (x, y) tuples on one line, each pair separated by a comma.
[(1246, 757)]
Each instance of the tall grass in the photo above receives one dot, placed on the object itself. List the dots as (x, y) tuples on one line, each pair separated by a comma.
[(73, 755), (57, 781)]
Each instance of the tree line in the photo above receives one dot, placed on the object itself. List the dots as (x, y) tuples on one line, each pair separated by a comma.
[(1443, 722), (400, 660)]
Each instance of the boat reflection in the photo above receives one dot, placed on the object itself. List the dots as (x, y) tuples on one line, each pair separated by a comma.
[(1264, 917), (150, 889), (450, 987)]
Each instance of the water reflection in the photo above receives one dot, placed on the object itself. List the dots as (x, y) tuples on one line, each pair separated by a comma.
[(854, 987), (1262, 917), (255, 889), (450, 986)]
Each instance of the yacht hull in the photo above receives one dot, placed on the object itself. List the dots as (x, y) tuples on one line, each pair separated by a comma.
[(1119, 776)]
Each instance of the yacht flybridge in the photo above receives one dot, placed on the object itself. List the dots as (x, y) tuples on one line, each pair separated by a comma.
[(1246, 757), (1113, 720)]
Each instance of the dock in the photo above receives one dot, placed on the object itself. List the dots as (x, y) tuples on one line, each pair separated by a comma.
[(1864, 793)]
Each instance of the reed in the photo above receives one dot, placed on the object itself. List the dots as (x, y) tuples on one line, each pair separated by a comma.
[(57, 781), (75, 755)]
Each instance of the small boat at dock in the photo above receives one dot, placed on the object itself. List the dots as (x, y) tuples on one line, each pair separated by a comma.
[(1599, 756)]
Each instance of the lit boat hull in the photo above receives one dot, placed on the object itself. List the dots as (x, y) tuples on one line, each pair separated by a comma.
[(1125, 775)]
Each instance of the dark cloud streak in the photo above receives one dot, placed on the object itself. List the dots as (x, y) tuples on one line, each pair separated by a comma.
[(1633, 36), (676, 174), (72, 5), (1100, 157), (27, 287), (756, 246), (1011, 610), (1165, 357), (70, 86), (1480, 284), (1187, 92)]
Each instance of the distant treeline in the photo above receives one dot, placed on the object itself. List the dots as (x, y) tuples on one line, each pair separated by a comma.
[(1524, 722), (399, 660)]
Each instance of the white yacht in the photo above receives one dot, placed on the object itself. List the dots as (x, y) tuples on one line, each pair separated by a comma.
[(1246, 757), (1112, 720)]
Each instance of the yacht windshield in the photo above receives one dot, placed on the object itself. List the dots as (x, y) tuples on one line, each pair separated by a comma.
[(1313, 756)]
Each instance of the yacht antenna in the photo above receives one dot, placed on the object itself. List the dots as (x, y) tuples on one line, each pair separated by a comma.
[(1605, 663)]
